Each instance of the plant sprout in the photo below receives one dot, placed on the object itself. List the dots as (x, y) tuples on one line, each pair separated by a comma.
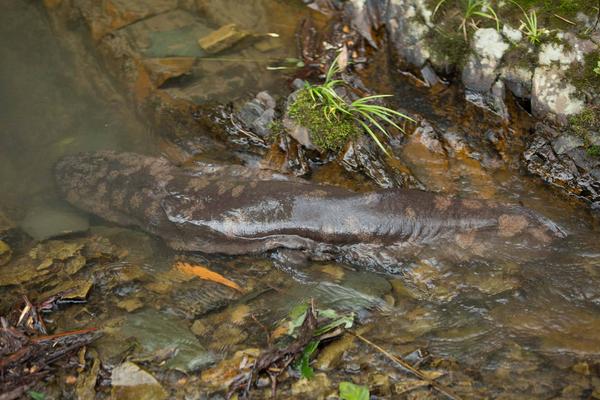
[(473, 8), (597, 69), (530, 27)]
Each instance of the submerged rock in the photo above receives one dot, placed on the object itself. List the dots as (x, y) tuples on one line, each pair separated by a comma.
[(5, 253), (46, 222), (221, 39), (163, 336), (130, 382), (53, 258)]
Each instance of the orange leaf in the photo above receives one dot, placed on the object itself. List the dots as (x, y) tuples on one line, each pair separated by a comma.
[(206, 274)]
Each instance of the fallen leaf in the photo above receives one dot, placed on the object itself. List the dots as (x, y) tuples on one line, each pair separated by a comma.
[(206, 274)]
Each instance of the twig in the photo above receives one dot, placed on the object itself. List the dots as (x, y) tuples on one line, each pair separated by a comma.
[(564, 19), (263, 327), (409, 368), (41, 339), (246, 132)]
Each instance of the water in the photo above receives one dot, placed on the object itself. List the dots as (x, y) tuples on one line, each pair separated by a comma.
[(503, 326)]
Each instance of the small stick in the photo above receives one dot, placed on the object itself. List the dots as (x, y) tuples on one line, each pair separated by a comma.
[(406, 366), (564, 19), (41, 339)]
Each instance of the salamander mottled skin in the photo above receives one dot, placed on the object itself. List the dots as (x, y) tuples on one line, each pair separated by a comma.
[(236, 210)]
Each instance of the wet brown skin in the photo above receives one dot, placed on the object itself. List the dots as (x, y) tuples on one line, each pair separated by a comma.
[(236, 210)]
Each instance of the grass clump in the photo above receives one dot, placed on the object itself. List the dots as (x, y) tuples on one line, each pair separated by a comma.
[(471, 13), (529, 27), (332, 120)]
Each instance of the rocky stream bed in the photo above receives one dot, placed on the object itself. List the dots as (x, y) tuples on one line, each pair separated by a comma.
[(91, 310)]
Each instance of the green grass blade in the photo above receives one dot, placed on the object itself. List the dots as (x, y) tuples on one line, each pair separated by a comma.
[(374, 136)]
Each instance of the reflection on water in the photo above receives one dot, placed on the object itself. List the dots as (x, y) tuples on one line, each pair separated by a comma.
[(513, 324)]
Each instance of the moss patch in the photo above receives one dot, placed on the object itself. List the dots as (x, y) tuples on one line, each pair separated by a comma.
[(326, 133), (584, 76), (593, 150), (449, 47), (582, 124)]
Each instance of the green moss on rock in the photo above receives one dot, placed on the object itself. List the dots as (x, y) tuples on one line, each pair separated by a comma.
[(593, 150), (584, 75), (326, 133), (583, 124)]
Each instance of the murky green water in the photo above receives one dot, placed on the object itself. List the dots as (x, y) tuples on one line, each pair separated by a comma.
[(501, 327)]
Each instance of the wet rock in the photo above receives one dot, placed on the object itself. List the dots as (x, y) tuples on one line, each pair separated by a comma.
[(481, 70), (360, 156), (163, 69), (560, 160), (202, 297), (86, 381), (258, 114), (46, 222), (565, 143), (171, 34), (5, 253), (74, 290), (316, 388), (221, 39), (430, 76), (367, 282), (332, 353), (227, 335), (53, 258), (163, 336), (109, 16), (518, 80), (220, 376), (130, 305), (426, 135), (130, 382)]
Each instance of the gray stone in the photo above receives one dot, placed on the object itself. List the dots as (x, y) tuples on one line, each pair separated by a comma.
[(430, 76), (480, 72), (130, 382), (300, 133), (160, 335), (517, 80), (552, 93), (48, 221), (566, 143), (259, 113)]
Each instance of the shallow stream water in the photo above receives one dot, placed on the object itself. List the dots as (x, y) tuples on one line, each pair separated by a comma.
[(504, 326)]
